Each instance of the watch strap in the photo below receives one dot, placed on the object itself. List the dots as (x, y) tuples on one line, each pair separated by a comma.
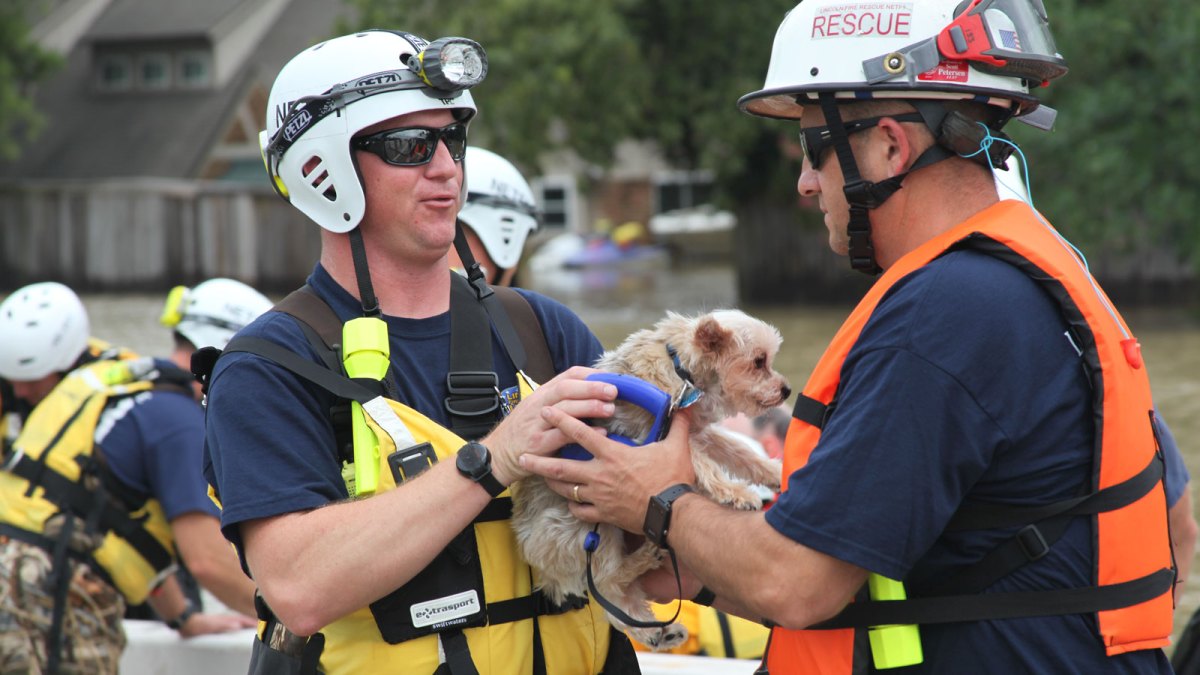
[(663, 502), (488, 482), (188, 610)]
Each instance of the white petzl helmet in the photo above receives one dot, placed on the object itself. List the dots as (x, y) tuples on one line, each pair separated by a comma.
[(332, 90), (209, 314), (990, 51), (500, 208), (43, 329)]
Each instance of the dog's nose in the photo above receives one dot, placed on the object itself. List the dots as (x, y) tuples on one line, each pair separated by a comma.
[(787, 391)]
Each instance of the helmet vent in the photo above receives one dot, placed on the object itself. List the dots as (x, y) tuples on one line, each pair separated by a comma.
[(318, 178)]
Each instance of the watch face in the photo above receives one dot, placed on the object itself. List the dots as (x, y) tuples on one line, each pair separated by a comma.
[(472, 458)]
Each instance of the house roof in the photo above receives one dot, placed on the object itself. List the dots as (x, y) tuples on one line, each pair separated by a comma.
[(155, 19), (89, 134)]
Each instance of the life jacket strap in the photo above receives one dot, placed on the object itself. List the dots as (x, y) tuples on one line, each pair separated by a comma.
[(473, 400), (1012, 605), (983, 515), (811, 411), (75, 498)]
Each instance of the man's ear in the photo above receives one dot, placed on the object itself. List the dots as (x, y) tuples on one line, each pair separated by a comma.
[(900, 149)]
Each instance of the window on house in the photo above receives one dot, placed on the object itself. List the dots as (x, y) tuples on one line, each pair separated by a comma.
[(154, 70), (114, 72), (195, 69), (556, 198), (682, 190)]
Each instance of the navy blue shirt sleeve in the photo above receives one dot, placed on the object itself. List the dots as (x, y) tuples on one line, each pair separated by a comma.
[(1176, 476), (154, 444)]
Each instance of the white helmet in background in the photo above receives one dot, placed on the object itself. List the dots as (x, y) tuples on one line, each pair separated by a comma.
[(500, 208), (43, 329), (209, 314), (333, 90), (991, 51)]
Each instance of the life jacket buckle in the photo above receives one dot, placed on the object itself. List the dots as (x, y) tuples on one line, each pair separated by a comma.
[(1032, 543), (472, 393), (408, 463)]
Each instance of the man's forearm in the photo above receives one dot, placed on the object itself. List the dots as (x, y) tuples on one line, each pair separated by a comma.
[(756, 572)]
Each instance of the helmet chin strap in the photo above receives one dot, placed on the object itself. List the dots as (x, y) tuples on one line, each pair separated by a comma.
[(862, 195), (366, 292)]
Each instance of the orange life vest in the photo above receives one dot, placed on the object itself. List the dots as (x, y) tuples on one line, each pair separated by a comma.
[(1133, 541)]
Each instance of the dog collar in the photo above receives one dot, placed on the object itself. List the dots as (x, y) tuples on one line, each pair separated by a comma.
[(689, 393)]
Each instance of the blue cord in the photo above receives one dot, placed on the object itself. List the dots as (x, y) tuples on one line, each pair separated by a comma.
[(986, 143)]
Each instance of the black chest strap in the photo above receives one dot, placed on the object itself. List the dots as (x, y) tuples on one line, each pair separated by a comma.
[(961, 597)]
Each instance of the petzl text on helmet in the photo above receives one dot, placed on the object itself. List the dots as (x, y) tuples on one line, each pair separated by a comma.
[(443, 69)]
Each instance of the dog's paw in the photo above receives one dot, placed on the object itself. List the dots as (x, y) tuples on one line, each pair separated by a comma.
[(738, 495), (661, 639)]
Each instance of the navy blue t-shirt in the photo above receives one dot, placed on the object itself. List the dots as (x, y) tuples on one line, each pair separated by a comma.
[(963, 385), (270, 445), (153, 443)]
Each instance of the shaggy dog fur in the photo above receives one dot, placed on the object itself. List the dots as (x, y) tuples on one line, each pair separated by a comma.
[(729, 355)]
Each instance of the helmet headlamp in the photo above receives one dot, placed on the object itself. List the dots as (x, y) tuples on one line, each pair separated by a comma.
[(451, 64)]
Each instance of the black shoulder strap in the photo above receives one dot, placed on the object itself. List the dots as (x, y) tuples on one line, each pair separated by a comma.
[(473, 395)]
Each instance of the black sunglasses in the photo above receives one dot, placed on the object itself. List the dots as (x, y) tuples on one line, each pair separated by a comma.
[(414, 146), (814, 141)]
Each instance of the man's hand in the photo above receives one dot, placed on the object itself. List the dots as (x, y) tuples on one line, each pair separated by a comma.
[(525, 430), (205, 624), (615, 486)]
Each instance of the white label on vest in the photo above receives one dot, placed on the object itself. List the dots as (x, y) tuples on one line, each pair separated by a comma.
[(443, 610)]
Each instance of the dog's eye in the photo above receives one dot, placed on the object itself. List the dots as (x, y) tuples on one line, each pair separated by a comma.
[(760, 362)]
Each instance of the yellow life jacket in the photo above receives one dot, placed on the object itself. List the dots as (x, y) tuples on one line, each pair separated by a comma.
[(52, 474), (476, 599)]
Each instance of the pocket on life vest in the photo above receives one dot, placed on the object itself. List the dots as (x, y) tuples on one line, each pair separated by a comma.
[(448, 594), (267, 660)]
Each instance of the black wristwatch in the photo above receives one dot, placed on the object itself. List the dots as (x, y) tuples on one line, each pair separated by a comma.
[(188, 610), (475, 462), (658, 513)]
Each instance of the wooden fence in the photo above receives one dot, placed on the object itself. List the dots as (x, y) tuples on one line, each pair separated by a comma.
[(150, 234)]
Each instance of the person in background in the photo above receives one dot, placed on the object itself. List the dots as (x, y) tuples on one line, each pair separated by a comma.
[(12, 411), (364, 485), (106, 444), (207, 315), (980, 437), (498, 216), (770, 429)]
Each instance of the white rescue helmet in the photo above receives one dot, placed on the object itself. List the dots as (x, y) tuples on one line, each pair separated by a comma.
[(43, 329), (209, 314), (500, 208), (333, 90), (990, 51)]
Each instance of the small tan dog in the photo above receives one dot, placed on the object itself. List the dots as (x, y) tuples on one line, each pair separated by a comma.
[(728, 356)]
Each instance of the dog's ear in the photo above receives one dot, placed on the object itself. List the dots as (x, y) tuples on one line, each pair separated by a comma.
[(711, 337)]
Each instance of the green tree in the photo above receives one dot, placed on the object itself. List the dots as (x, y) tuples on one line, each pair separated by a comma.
[(22, 64), (584, 75), (1118, 172)]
